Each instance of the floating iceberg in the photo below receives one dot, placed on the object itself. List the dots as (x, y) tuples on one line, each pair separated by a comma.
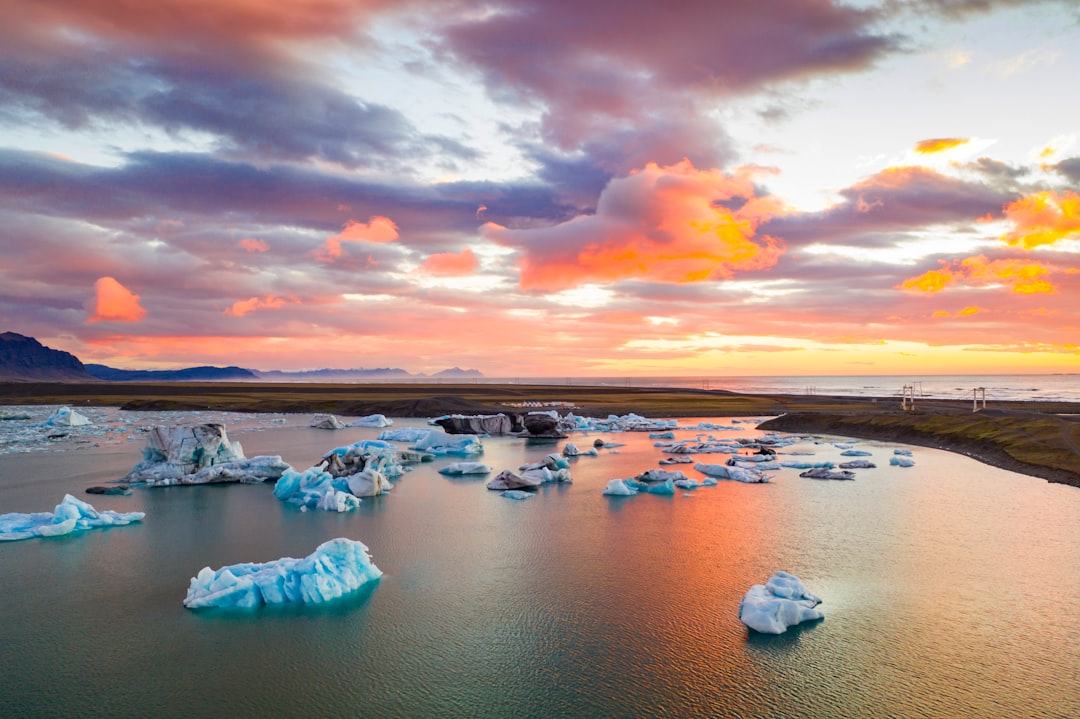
[(903, 451), (372, 420), (65, 417), (71, 515), (739, 474), (440, 443), (478, 424), (459, 468), (781, 603), (508, 480), (620, 488), (857, 464), (901, 461), (326, 421), (316, 489), (172, 455), (856, 453), (334, 569), (665, 488), (660, 475), (827, 474), (796, 464), (404, 434), (517, 494), (571, 450)]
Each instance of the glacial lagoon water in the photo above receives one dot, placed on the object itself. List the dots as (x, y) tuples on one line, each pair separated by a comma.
[(951, 589)]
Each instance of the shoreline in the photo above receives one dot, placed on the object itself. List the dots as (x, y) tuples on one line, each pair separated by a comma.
[(1040, 439)]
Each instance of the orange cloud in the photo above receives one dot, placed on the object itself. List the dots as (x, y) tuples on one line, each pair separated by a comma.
[(1043, 218), (1022, 277), (114, 302), (376, 229), (939, 144), (973, 310), (450, 263), (663, 224), (243, 307), (250, 244)]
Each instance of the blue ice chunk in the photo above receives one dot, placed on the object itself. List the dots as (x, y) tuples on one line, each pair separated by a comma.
[(517, 494), (71, 515), (334, 569), (855, 453), (665, 488), (901, 461)]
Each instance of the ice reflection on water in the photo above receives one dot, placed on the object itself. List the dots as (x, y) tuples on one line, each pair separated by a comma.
[(950, 589)]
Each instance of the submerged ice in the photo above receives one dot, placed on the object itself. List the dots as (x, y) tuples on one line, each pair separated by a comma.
[(335, 568), (71, 515)]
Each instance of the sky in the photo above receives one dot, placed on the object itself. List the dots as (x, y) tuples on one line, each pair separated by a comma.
[(544, 189)]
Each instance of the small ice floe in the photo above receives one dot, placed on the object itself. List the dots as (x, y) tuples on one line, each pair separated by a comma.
[(372, 420), (857, 464), (903, 451), (662, 435), (71, 515), (458, 469), (571, 450), (856, 453), (326, 421), (681, 459), (781, 603), (518, 494), (621, 488), (65, 417), (506, 479), (660, 475), (827, 474), (796, 464), (901, 461), (334, 569), (739, 474)]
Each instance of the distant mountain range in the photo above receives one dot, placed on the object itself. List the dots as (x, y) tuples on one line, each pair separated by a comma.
[(24, 359)]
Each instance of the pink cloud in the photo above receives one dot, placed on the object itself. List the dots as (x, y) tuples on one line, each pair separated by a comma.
[(664, 224), (114, 302), (243, 307), (251, 244), (376, 229), (450, 263)]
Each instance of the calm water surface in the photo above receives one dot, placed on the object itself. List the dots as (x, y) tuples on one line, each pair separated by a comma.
[(951, 589)]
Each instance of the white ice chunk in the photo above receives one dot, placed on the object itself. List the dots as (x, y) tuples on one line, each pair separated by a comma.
[(65, 417), (71, 515), (739, 474), (781, 603), (372, 420), (620, 488), (457, 469), (334, 569), (901, 461), (517, 494), (326, 421)]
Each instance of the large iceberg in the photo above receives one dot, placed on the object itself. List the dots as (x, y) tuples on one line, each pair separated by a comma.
[(781, 603), (334, 569), (315, 489), (201, 454), (71, 515)]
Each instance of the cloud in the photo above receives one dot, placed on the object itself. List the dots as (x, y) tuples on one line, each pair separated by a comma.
[(243, 307), (1020, 276), (250, 244), (665, 224), (939, 144), (449, 264), (1043, 218), (377, 229), (115, 303)]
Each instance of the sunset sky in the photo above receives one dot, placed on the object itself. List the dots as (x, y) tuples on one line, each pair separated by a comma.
[(608, 188)]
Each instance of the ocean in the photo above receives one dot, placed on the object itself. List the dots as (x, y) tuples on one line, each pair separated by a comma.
[(950, 589)]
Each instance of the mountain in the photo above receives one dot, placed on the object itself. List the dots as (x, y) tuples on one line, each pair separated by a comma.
[(189, 374), (458, 372), (329, 374), (24, 359)]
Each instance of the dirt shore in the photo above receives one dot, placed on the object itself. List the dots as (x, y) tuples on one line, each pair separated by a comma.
[(1041, 439)]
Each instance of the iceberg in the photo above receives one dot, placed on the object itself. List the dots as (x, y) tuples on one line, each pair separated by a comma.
[(459, 468), (665, 488), (438, 442), (326, 421), (65, 417), (404, 434), (508, 480), (71, 515), (827, 474), (739, 474), (660, 475), (372, 420), (173, 454), (856, 453), (857, 464), (901, 461), (517, 494), (781, 603), (619, 488), (571, 450), (315, 489), (334, 569)]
